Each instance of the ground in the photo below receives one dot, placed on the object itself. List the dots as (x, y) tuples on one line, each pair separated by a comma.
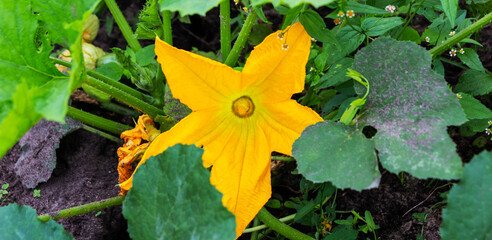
[(86, 163)]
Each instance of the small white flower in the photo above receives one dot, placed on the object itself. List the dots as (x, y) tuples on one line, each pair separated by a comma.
[(462, 51), (340, 14), (280, 35), (314, 39), (427, 39), (458, 96), (452, 33), (390, 8), (488, 131), (350, 13), (311, 69), (490, 122), (452, 53), (285, 46)]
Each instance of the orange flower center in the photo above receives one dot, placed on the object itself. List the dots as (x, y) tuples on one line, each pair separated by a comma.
[(243, 107)]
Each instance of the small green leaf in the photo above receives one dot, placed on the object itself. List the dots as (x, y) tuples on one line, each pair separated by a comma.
[(336, 74), (470, 59), (145, 56), (188, 7), (473, 108), (475, 83), (330, 151), (450, 8), (377, 26), (291, 16), (410, 34), (112, 70), (315, 26), (363, 8), (468, 215), (292, 3), (410, 106), (149, 22), (172, 198), (21, 222), (259, 11), (352, 38)]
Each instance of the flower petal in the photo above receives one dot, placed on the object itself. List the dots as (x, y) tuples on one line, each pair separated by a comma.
[(276, 72), (284, 123), (196, 81), (242, 172), (188, 131)]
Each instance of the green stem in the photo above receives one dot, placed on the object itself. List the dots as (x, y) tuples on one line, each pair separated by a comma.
[(111, 82), (86, 208), (225, 28), (103, 134), (410, 19), (437, 50), (166, 25), (283, 158), (96, 121), (261, 227), (254, 235), (280, 227), (123, 24), (241, 40), (113, 107), (124, 97)]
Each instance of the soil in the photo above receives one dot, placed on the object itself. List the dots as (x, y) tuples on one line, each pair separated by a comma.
[(86, 163)]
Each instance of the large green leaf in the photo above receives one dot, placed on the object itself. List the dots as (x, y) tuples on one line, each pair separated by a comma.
[(32, 88), (377, 26), (21, 222), (468, 214), (188, 7), (292, 3), (410, 106), (450, 8), (172, 198), (335, 152), (475, 83)]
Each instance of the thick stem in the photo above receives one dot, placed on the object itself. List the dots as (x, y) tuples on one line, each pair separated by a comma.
[(103, 134), (125, 97), (241, 39), (280, 227), (113, 107), (283, 158), (123, 24), (96, 121), (78, 210), (261, 227), (437, 50), (225, 28), (111, 82), (166, 25)]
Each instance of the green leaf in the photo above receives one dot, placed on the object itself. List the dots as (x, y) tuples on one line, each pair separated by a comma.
[(315, 26), (410, 106), (259, 11), (291, 15), (475, 83), (450, 8), (112, 70), (149, 22), (188, 7), (21, 222), (172, 198), (292, 3), (410, 34), (468, 215), (330, 151), (336, 74), (377, 26), (470, 59), (363, 8), (473, 108), (351, 37), (32, 88), (145, 56)]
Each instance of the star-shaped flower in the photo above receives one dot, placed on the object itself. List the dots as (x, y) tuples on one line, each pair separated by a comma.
[(239, 118)]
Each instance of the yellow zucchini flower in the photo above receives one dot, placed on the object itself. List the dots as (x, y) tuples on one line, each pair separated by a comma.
[(239, 118)]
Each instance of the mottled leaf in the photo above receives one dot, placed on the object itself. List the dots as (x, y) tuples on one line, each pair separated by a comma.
[(468, 214), (172, 198), (21, 222), (475, 83), (410, 106), (335, 152), (32, 88), (188, 7)]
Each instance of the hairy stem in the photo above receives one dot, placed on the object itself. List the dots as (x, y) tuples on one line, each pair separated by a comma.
[(111, 82), (123, 24), (281, 227), (225, 28), (439, 49), (241, 39), (96, 121), (261, 227), (125, 97), (166, 24), (78, 210)]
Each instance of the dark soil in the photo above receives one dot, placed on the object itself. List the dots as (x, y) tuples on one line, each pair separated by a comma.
[(86, 164)]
